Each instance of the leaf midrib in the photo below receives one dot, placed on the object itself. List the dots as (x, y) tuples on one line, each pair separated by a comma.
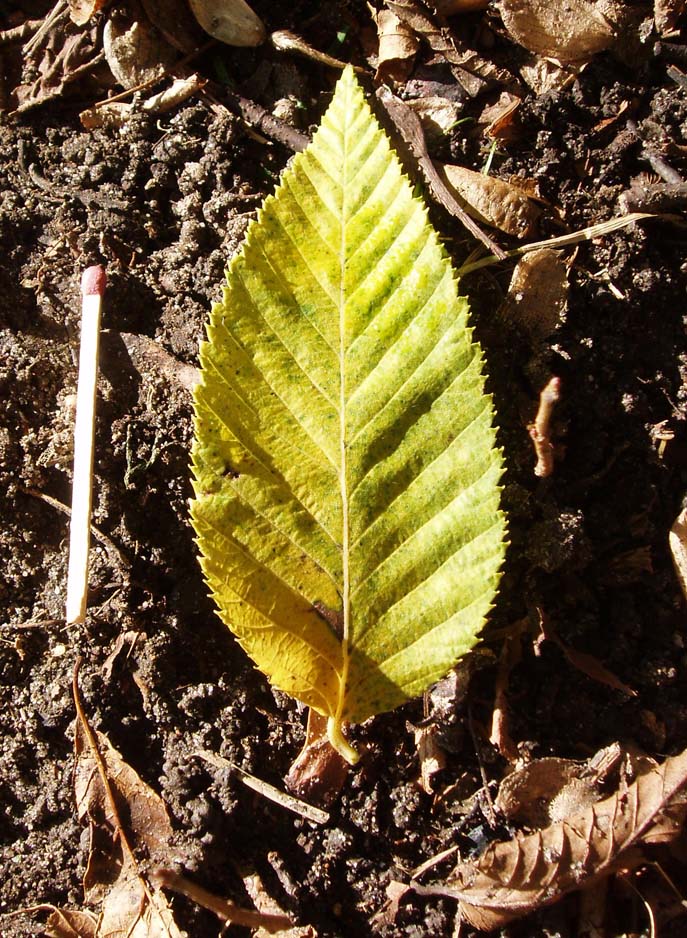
[(345, 541)]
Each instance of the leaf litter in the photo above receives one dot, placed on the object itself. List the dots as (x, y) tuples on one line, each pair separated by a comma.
[(515, 877)]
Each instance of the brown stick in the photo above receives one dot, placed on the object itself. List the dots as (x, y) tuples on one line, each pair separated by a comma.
[(540, 430)]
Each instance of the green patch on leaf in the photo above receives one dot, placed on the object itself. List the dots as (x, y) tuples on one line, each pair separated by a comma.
[(346, 473)]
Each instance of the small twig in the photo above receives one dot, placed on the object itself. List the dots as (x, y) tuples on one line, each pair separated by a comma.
[(584, 234), (256, 116), (116, 556), (59, 11), (540, 430), (285, 41), (223, 908), (488, 800), (308, 811), (16, 33), (92, 290), (410, 128)]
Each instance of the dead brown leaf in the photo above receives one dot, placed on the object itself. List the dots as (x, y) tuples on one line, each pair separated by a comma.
[(569, 32), (472, 70), (397, 47), (318, 772), (135, 51), (117, 113), (410, 128), (452, 7), (65, 923), (437, 115), (493, 201), (584, 662), (230, 21), (515, 877), (82, 10), (106, 788), (538, 293), (58, 54)]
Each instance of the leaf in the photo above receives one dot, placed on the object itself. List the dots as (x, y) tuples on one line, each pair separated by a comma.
[(107, 788), (568, 32), (493, 201), (346, 474), (515, 877)]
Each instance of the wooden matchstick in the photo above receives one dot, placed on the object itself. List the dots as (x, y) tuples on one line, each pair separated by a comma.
[(93, 284)]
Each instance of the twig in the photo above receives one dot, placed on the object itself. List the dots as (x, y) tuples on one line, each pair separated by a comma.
[(285, 41), (116, 556), (256, 116), (488, 800), (15, 33), (305, 810), (540, 430), (58, 12), (223, 908), (410, 128), (92, 289), (584, 234)]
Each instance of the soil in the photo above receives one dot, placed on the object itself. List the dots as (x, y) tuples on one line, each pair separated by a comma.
[(163, 202)]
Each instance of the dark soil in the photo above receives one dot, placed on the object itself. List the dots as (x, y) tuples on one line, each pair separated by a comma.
[(163, 203)]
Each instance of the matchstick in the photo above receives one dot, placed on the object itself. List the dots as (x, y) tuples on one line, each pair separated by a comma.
[(93, 284)]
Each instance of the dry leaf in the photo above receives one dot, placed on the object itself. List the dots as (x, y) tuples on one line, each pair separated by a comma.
[(525, 795), (543, 75), (410, 128), (499, 117), (572, 31), (678, 548), (513, 878), (437, 115), (56, 58), (538, 293), (397, 47), (69, 923), (136, 53), (493, 201), (431, 755), (117, 113), (107, 789), (230, 21), (318, 772), (472, 71), (81, 11)]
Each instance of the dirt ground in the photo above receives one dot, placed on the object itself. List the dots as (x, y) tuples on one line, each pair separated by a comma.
[(163, 202)]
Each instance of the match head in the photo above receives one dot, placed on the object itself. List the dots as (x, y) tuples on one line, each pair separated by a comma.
[(93, 281)]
